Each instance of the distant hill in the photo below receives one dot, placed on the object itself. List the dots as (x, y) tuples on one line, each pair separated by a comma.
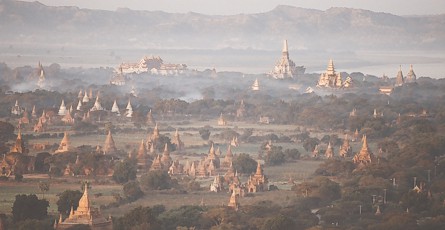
[(333, 29)]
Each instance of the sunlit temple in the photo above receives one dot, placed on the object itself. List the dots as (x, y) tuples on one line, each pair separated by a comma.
[(85, 214), (332, 79), (285, 67)]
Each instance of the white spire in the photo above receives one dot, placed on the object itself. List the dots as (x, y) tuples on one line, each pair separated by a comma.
[(285, 49), (62, 109)]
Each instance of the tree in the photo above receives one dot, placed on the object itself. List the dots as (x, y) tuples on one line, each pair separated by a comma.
[(33, 224), (144, 217), (156, 180), (186, 216), (243, 163), (68, 199), (275, 156), (44, 187), (125, 171), (292, 154), (279, 222), (29, 207), (204, 133), (6, 134), (40, 165), (132, 190)]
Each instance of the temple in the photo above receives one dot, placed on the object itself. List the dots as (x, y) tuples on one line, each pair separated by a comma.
[(331, 79), (222, 121), (118, 78), (329, 153), (150, 118), (233, 201), (345, 149), (399, 79), (62, 109), (109, 146), (129, 110), (285, 68), (97, 106), (19, 146), (178, 142), (255, 85), (155, 66), (258, 181), (411, 77), (142, 158), (16, 109), (115, 108), (42, 79), (65, 144), (84, 215), (364, 157)]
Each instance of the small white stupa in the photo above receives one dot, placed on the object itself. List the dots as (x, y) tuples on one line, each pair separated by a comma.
[(62, 109)]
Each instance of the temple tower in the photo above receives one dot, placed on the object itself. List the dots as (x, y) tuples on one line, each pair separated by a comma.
[(365, 156), (411, 77), (62, 109), (65, 144), (399, 79), (109, 146)]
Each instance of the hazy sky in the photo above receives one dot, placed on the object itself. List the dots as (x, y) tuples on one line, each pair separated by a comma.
[(399, 7)]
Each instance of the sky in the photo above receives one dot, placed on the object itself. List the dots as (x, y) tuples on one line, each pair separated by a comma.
[(228, 7)]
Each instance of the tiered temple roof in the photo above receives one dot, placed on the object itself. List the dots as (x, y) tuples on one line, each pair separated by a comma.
[(330, 79), (365, 156), (84, 214), (285, 67), (257, 182)]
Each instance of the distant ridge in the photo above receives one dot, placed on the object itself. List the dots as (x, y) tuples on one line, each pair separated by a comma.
[(335, 28)]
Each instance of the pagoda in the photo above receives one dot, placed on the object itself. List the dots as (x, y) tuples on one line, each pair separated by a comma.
[(85, 98), (241, 111), (97, 106), (150, 118), (109, 146), (141, 157), (411, 77), (399, 79), (255, 85), (345, 149), (364, 157), (85, 214), (42, 79), (330, 79), (129, 112), (19, 146), (258, 181), (221, 120), (62, 109), (156, 164), (213, 157), (178, 142), (16, 109), (67, 118), (228, 158), (329, 151), (34, 112), (79, 105), (115, 108), (65, 144), (285, 68), (166, 160), (233, 202)]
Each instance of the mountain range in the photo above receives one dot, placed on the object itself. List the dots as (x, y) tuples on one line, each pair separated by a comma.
[(32, 23)]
